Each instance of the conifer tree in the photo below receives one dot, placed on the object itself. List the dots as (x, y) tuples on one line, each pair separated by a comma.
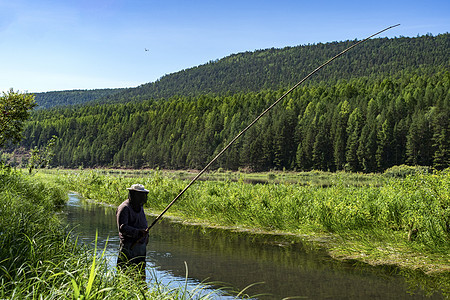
[(354, 128)]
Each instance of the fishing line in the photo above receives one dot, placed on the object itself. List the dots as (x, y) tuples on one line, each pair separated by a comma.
[(259, 117)]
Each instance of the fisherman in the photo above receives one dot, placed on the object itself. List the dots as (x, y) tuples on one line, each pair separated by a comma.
[(132, 226)]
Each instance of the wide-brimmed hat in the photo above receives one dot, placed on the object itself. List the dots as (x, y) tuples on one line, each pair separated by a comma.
[(138, 188)]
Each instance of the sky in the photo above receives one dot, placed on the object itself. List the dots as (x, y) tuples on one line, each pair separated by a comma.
[(52, 45)]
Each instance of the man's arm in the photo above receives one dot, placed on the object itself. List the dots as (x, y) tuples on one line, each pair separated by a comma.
[(123, 216)]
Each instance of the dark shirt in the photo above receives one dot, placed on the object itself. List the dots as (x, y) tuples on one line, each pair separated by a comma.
[(130, 222)]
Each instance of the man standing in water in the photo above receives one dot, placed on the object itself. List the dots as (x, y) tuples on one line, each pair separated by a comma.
[(132, 226)]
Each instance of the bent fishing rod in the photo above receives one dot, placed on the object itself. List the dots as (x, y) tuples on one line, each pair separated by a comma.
[(259, 117)]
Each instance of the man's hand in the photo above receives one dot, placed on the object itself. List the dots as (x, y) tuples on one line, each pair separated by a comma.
[(143, 232)]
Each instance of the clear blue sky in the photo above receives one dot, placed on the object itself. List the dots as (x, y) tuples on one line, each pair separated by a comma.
[(85, 44)]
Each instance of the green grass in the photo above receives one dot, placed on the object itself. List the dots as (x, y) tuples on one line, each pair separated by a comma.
[(418, 204), (39, 260), (398, 218), (317, 178)]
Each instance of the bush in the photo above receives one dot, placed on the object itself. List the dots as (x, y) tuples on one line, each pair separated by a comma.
[(403, 170)]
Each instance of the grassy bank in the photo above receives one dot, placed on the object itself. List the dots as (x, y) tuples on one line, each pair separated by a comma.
[(397, 219), (316, 178), (38, 259)]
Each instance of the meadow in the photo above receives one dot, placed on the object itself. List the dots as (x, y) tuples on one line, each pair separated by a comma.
[(39, 259), (401, 217)]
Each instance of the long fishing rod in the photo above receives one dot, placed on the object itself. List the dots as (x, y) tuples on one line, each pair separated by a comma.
[(256, 120)]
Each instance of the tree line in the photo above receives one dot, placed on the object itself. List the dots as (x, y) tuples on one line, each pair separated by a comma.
[(71, 97), (363, 124)]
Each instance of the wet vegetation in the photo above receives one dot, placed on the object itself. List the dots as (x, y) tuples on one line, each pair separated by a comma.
[(40, 259), (403, 220)]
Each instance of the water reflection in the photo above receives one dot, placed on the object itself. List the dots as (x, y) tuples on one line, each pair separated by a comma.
[(283, 267)]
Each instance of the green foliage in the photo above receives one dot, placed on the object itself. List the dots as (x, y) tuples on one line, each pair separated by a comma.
[(14, 110), (372, 219), (26, 219), (40, 260), (40, 158), (323, 127), (404, 170), (419, 201)]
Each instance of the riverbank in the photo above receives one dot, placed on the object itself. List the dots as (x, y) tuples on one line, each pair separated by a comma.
[(40, 260), (401, 222)]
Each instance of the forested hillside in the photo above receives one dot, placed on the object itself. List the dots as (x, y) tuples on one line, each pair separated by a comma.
[(72, 97), (384, 104), (279, 68), (363, 124)]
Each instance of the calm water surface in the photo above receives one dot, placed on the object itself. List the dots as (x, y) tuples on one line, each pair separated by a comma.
[(280, 266)]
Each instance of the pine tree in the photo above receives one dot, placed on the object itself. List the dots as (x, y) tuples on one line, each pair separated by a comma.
[(441, 140), (354, 127), (340, 134), (418, 141)]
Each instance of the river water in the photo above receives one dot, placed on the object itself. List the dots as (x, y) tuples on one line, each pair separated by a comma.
[(277, 266)]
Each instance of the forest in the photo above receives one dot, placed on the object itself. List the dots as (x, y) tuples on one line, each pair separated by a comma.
[(358, 125), (386, 104)]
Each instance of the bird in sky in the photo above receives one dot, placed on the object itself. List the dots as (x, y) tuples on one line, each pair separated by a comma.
[(146, 49)]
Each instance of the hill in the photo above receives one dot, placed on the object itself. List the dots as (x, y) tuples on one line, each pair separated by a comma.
[(271, 69), (280, 68), (386, 104)]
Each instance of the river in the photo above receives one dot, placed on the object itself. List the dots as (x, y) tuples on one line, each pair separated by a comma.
[(278, 266)]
